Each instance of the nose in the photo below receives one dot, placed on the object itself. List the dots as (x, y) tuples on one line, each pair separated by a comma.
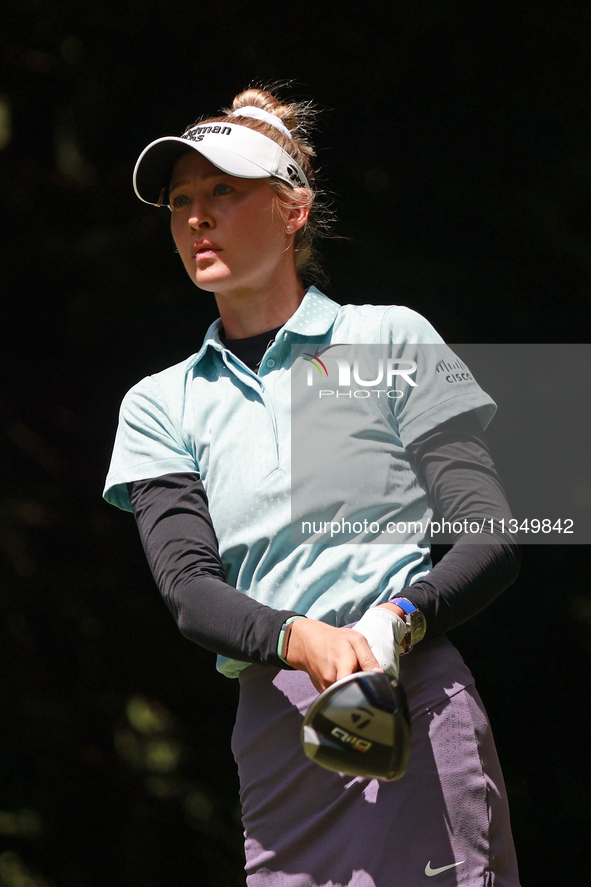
[(200, 217)]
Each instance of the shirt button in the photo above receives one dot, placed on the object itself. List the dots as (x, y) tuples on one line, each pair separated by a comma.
[(270, 362)]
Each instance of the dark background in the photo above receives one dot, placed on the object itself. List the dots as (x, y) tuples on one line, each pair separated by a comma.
[(457, 137)]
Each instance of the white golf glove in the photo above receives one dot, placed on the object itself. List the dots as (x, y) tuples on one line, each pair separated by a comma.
[(384, 631)]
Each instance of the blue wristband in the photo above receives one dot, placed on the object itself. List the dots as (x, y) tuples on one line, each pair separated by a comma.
[(416, 624)]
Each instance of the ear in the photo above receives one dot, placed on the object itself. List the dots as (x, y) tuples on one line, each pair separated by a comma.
[(298, 211)]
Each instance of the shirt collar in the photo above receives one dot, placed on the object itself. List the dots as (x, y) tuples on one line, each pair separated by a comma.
[(314, 317)]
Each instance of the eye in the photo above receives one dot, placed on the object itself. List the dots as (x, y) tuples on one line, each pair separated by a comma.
[(221, 189), (178, 201)]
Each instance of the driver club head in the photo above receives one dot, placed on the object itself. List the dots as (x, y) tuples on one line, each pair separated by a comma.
[(360, 726)]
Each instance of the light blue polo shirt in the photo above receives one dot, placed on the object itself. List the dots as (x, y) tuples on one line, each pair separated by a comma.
[(212, 415)]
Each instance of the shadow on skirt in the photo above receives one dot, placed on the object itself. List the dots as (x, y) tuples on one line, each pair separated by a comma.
[(446, 822)]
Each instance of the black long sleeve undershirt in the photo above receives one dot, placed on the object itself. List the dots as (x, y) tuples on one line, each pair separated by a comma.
[(175, 527), (181, 547), (463, 485)]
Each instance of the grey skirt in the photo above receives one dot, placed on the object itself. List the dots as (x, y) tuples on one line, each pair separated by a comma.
[(446, 822)]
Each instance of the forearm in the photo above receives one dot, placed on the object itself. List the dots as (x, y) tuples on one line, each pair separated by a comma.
[(180, 545), (458, 471), (466, 580)]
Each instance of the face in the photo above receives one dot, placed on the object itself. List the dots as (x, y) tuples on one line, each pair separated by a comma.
[(229, 231)]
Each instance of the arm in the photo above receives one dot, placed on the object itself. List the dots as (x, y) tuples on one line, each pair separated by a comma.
[(177, 534), (176, 530), (462, 483)]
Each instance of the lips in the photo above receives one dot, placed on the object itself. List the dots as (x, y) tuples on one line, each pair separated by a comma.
[(205, 250)]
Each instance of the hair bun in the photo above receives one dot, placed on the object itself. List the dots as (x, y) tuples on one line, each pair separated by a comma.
[(297, 117)]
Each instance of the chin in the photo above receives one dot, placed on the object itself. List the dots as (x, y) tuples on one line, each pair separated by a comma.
[(205, 285), (211, 283)]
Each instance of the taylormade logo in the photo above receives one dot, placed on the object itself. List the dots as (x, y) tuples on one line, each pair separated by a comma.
[(198, 132)]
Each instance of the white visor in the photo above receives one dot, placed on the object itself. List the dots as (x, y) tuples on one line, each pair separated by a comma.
[(235, 149)]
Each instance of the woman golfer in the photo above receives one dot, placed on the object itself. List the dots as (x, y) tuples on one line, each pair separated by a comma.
[(203, 457)]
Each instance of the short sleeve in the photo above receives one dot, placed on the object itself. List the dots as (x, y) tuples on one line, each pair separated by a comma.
[(149, 442), (433, 384)]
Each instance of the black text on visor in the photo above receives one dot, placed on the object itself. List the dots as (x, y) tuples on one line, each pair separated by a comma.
[(236, 150)]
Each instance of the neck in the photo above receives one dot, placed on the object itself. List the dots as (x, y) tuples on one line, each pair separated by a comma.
[(249, 313)]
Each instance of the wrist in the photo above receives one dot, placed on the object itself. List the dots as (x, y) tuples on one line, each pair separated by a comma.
[(284, 637), (416, 624), (394, 608)]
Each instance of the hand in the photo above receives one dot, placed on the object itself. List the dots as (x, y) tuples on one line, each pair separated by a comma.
[(328, 653), (384, 630)]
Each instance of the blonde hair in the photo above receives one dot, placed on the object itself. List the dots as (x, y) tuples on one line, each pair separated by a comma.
[(299, 118)]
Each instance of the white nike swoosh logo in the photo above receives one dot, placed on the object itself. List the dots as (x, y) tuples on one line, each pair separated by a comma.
[(430, 872)]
